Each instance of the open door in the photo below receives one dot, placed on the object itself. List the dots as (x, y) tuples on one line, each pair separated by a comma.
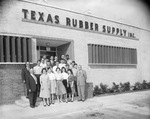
[(66, 49), (54, 47)]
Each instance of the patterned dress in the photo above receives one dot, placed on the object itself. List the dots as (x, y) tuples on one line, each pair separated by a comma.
[(44, 91), (60, 87), (71, 83), (52, 80)]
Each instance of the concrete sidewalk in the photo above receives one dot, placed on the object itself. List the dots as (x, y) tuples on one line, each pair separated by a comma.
[(137, 103)]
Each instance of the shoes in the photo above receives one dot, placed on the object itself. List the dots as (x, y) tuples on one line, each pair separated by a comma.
[(48, 104), (36, 106), (31, 106), (71, 100), (80, 100)]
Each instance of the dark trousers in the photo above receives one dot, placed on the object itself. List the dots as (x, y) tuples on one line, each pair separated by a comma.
[(76, 88), (26, 92), (38, 84), (68, 89), (32, 98)]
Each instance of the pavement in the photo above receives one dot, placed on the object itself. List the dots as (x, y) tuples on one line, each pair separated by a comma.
[(135, 105)]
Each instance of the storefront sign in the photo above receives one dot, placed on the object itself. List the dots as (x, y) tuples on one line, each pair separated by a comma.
[(32, 15)]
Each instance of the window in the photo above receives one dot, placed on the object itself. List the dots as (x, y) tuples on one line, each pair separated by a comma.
[(102, 54), (15, 49)]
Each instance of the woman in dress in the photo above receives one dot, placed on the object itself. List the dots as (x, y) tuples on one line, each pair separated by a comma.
[(65, 82), (52, 80), (71, 84), (44, 91), (60, 87)]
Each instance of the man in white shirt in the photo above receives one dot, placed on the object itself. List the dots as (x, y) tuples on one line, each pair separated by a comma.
[(62, 64), (55, 67), (69, 61), (37, 72), (43, 63), (37, 69)]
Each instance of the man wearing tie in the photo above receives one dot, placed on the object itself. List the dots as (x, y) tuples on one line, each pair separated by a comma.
[(81, 82), (32, 88)]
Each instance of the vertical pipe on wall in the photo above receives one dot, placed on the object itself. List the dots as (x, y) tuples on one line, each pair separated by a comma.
[(108, 54), (19, 57), (120, 52), (100, 55), (1, 49), (29, 50), (90, 52), (105, 59), (129, 55), (13, 49), (93, 53), (123, 54), (135, 53), (113, 54), (7, 48), (24, 50), (97, 54)]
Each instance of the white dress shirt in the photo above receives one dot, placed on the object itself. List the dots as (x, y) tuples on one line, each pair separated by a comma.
[(43, 65), (62, 65), (58, 76), (54, 68), (37, 69), (65, 75), (51, 76)]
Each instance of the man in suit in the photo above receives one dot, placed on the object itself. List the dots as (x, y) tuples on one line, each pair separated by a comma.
[(32, 88), (24, 74), (81, 82)]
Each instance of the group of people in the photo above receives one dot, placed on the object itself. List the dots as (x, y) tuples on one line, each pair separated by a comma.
[(52, 78)]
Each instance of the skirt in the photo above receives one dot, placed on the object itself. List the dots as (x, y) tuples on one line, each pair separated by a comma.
[(52, 86), (44, 93), (60, 88), (68, 89), (72, 86)]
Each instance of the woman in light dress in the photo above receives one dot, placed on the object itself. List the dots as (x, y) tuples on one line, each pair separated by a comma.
[(52, 80), (60, 87), (71, 79), (44, 91)]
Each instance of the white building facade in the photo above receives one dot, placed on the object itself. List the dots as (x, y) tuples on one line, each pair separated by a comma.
[(109, 51)]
